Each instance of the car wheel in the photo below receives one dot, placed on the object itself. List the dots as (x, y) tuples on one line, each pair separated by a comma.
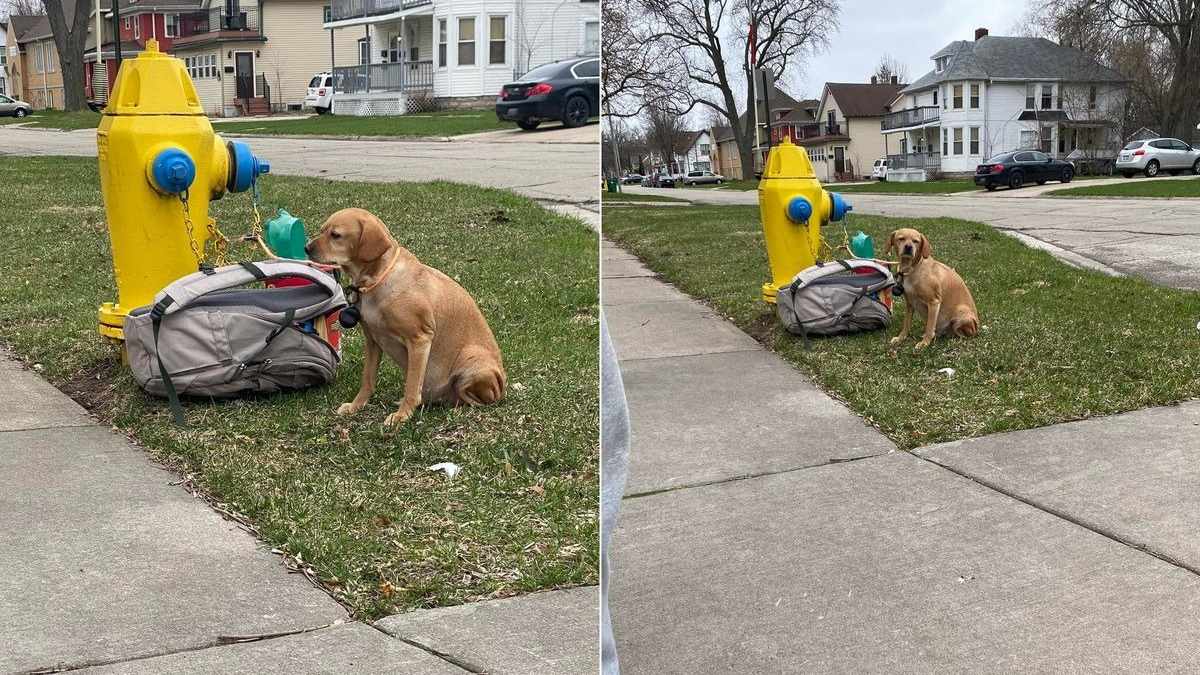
[(321, 111), (719, 181), (20, 112), (528, 126), (1196, 167), (576, 112), (1016, 180), (1067, 174), (1152, 169), (1129, 174), (991, 187)]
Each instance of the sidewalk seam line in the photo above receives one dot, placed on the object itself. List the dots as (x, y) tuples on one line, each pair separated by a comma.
[(719, 481), (457, 663), (1112, 536), (756, 347)]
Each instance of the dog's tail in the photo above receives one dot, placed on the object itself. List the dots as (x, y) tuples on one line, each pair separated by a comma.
[(479, 385), (966, 327)]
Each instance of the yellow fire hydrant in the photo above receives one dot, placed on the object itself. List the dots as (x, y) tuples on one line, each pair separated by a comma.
[(160, 166), (793, 206)]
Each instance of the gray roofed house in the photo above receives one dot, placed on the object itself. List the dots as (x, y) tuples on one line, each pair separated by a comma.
[(998, 93)]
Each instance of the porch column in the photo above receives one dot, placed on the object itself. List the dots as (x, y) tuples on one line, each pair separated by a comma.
[(403, 48), (367, 66)]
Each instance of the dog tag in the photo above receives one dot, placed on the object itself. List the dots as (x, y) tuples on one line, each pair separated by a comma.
[(897, 290), (348, 318)]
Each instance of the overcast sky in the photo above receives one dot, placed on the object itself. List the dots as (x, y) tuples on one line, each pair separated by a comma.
[(909, 30)]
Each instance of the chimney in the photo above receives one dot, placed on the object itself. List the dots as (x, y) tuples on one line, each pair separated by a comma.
[(895, 79), (980, 32), (874, 80)]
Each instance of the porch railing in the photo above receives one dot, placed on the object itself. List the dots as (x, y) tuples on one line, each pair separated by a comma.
[(911, 117), (354, 9), (915, 160), (407, 76), (217, 19)]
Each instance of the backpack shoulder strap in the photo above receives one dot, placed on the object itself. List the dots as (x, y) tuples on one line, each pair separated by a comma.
[(186, 290)]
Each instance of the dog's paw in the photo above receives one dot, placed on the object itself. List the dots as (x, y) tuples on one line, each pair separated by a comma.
[(347, 409), (896, 340), (921, 345), (398, 417)]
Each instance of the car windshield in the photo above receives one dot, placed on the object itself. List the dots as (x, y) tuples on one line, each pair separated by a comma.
[(1133, 145), (315, 82), (546, 72)]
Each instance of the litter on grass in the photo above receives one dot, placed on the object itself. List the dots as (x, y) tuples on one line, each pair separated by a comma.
[(948, 372), (450, 468)]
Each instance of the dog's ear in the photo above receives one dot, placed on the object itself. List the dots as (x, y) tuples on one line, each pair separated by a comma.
[(890, 247), (926, 249), (373, 239)]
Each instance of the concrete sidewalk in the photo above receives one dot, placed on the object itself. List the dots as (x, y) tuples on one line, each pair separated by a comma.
[(743, 546), (110, 567)]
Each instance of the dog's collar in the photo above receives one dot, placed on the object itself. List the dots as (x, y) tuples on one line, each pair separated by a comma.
[(383, 275)]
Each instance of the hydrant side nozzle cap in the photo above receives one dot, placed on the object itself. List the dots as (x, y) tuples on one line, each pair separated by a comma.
[(799, 210), (840, 207), (173, 171)]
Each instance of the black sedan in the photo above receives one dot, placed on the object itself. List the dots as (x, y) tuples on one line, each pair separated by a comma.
[(1019, 167), (633, 179), (568, 91)]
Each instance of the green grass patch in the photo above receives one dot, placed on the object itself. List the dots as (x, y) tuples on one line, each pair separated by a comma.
[(929, 187), (382, 532), (609, 197), (449, 123), (1059, 343), (1135, 187), (732, 184), (56, 119)]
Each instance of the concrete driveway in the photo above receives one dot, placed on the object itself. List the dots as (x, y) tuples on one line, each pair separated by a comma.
[(554, 172), (1156, 239)]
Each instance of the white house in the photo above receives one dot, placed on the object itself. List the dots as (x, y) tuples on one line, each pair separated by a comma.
[(996, 94), (3, 57), (697, 156), (454, 51)]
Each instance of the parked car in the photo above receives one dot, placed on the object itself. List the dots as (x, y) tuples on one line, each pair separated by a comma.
[(1019, 167), (568, 91), (633, 179), (11, 106), (320, 93), (666, 180), (1157, 154), (698, 177), (880, 170)]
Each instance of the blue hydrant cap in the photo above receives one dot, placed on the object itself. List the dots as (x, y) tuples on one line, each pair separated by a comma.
[(244, 167), (173, 171), (840, 207), (799, 210)]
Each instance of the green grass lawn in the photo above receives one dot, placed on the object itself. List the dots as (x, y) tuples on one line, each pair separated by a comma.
[(1137, 187), (630, 197), (450, 123), (1058, 344), (382, 532), (57, 119), (732, 184), (929, 187)]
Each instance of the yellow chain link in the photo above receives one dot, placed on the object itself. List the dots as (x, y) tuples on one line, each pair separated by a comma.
[(187, 223), (220, 243)]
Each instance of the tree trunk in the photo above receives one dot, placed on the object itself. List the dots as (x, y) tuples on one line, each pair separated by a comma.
[(70, 38)]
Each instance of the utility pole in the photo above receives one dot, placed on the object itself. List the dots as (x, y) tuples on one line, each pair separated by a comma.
[(116, 5)]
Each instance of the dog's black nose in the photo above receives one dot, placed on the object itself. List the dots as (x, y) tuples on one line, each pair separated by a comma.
[(308, 249)]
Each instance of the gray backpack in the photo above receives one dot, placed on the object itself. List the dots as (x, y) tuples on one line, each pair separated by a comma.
[(204, 336), (831, 299)]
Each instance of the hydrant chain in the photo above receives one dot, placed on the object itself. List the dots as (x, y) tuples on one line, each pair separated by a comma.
[(187, 223)]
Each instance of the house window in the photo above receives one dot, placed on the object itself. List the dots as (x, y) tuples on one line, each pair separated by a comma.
[(39, 65), (974, 140), (1092, 97), (466, 41), (704, 148), (958, 140), (1028, 138), (1030, 95), (128, 23), (327, 13), (935, 93), (171, 25), (945, 99), (975, 96), (591, 37), (137, 29), (1047, 139), (945, 144), (958, 97), (940, 65), (1047, 96), (364, 51), (496, 43), (441, 47)]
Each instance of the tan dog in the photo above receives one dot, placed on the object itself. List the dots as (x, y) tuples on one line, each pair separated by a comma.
[(421, 318), (932, 289)]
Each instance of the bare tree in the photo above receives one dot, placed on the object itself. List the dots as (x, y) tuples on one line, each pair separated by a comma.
[(70, 36), (21, 8), (663, 130), (889, 67), (710, 41)]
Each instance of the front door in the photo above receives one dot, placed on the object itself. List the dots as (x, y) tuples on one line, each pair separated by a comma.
[(839, 160), (244, 72)]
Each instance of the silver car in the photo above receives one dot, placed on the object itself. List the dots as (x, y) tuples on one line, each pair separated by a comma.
[(1157, 154), (11, 106), (698, 177)]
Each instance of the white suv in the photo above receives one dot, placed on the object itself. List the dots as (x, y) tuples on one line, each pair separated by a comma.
[(879, 171), (320, 93), (1157, 154)]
